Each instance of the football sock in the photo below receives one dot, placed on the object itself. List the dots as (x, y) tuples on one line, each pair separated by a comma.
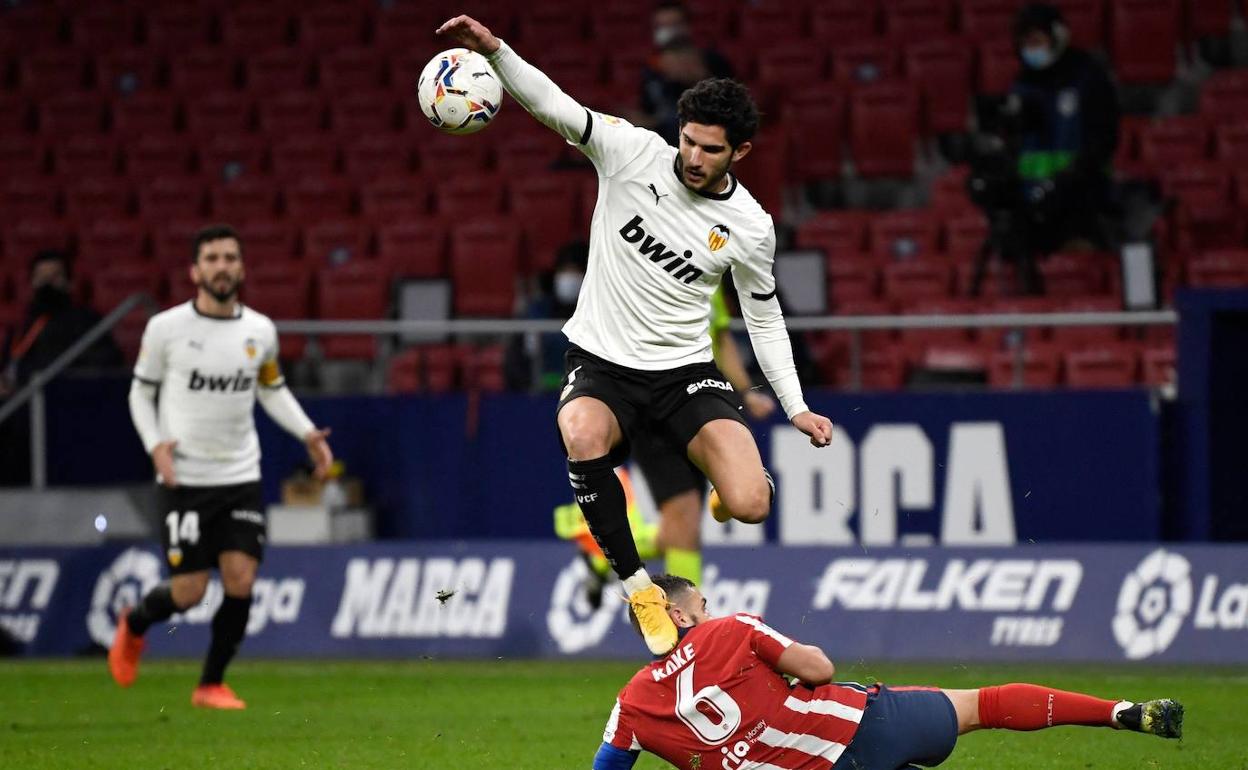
[(684, 563), (228, 627), (156, 606), (601, 497), (1035, 707)]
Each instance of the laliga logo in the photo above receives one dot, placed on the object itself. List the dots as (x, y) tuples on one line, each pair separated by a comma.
[(123, 584), (572, 623), (1155, 598)]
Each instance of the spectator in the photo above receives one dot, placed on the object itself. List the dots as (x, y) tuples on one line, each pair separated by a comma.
[(558, 291), (1065, 109), (51, 325), (676, 65)]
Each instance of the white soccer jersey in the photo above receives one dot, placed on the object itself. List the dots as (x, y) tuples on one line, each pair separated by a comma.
[(658, 250), (208, 370)]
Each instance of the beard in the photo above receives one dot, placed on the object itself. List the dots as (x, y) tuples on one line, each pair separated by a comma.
[(221, 290), (710, 177)]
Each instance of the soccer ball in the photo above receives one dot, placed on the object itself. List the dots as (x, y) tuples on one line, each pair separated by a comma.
[(459, 92)]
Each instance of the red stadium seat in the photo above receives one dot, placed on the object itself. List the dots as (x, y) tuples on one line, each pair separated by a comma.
[(107, 243), (1041, 367), (247, 28), (485, 260), (442, 156), (1164, 143), (1073, 274), (1088, 335), (1231, 144), (468, 196), (608, 24), (171, 244), (815, 154), (851, 280), (100, 28), (244, 199), (882, 370), (336, 242), (866, 61), (52, 72), (916, 340), (178, 27), (770, 21), (841, 234), (403, 373), (352, 70), (371, 155), (146, 112), (70, 114), (30, 236), (32, 198), (883, 128), (545, 206), (319, 198), (282, 294), (90, 199), (304, 155), (789, 61), (1086, 21), (1221, 269), (14, 114), (365, 112), (440, 365), (965, 233), (998, 65), (171, 198), (109, 288), (483, 369), (913, 21), (766, 173), (156, 156), (1158, 366), (576, 67), (130, 71), (30, 27), (942, 68), (836, 22), (330, 27), (223, 112), (290, 113), (356, 290), (394, 199), (1197, 186), (85, 156), (550, 25), (1224, 96), (906, 282), (1103, 367), (1206, 18), (904, 235), (277, 72), (954, 357), (229, 156), (989, 19), (266, 241), (398, 25), (528, 153), (202, 71), (413, 248), (949, 194), (22, 155), (1143, 37)]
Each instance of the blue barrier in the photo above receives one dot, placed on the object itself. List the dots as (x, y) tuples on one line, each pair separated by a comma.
[(1107, 603)]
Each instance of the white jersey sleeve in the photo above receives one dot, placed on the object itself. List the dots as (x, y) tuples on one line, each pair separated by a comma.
[(150, 367), (756, 289), (609, 142)]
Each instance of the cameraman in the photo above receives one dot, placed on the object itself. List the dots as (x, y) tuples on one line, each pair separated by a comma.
[(1065, 110)]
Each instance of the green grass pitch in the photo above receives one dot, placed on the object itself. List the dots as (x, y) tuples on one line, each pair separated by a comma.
[(514, 714)]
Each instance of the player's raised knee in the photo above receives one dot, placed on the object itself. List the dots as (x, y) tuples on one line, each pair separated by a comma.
[(750, 505), (584, 437)]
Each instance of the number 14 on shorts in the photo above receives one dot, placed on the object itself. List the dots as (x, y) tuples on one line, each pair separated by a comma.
[(183, 527)]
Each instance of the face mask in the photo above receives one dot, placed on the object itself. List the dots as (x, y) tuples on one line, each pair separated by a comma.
[(568, 287), (48, 298), (666, 34), (1038, 58)]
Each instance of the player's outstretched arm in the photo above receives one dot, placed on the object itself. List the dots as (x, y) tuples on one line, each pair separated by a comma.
[(806, 662), (528, 85), (280, 404)]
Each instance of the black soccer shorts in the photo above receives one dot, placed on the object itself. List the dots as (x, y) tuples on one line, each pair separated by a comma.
[(672, 404), (198, 523)]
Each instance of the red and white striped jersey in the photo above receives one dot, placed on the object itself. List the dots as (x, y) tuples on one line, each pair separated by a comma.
[(716, 701)]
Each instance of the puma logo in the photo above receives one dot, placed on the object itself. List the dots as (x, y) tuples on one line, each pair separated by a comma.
[(655, 192)]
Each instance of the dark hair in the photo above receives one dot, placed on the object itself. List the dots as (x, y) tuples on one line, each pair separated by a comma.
[(673, 585), (720, 102), (212, 233), (1038, 17), (51, 255), (573, 253), (671, 5)]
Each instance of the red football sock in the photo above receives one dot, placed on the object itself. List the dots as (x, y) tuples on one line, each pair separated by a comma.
[(1035, 707)]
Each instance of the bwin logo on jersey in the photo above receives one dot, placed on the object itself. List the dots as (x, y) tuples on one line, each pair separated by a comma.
[(238, 382), (1154, 600), (656, 251)]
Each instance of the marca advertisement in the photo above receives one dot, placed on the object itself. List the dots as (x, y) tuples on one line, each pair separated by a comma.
[(1106, 603)]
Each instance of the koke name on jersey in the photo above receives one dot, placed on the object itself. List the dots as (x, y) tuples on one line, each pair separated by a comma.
[(657, 251)]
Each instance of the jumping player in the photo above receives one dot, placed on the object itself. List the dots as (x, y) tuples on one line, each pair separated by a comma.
[(721, 700), (669, 222), (210, 360)]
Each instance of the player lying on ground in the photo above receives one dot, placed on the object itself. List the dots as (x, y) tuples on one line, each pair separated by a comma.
[(210, 360), (721, 700), (668, 224)]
